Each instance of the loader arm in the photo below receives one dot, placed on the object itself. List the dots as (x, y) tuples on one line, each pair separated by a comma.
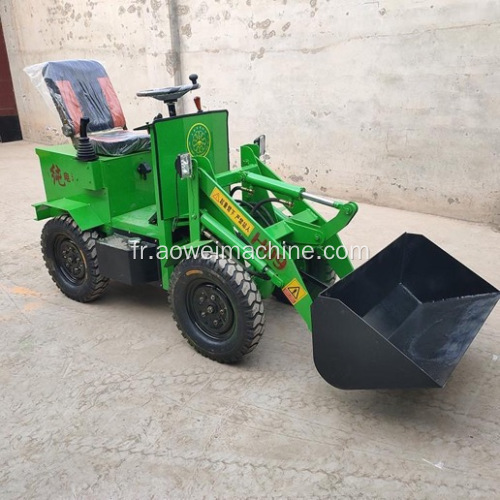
[(235, 223)]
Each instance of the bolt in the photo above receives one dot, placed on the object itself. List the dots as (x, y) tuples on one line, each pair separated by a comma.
[(216, 323), (210, 309), (212, 297), (203, 314)]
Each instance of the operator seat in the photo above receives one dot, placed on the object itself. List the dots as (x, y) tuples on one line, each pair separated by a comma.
[(81, 88)]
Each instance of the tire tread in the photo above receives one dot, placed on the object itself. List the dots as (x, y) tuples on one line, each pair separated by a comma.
[(98, 283), (250, 301)]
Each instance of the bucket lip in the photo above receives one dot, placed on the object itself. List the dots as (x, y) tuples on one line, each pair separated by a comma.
[(380, 336), (495, 293), (402, 236), (406, 234)]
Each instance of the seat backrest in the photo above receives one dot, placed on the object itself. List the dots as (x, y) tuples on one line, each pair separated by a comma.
[(81, 88)]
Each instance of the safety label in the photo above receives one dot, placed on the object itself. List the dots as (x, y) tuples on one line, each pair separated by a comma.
[(294, 291), (231, 211)]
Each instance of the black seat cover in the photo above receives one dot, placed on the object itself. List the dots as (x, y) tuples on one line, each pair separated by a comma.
[(81, 88)]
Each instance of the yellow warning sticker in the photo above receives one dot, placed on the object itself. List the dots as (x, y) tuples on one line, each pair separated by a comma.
[(294, 291), (231, 211)]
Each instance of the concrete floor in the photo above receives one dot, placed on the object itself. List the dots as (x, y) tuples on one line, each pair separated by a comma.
[(107, 399)]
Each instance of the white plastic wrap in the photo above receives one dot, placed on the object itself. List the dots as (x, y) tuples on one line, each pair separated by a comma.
[(82, 89)]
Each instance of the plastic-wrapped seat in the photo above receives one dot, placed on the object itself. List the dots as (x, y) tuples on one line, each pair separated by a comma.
[(81, 88)]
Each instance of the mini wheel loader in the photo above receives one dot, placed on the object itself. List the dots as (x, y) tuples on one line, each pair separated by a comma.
[(119, 201)]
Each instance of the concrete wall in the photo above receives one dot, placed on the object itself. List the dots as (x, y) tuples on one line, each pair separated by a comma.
[(394, 102), (131, 39)]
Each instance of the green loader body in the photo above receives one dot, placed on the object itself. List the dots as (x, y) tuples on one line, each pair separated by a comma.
[(110, 194), (243, 234)]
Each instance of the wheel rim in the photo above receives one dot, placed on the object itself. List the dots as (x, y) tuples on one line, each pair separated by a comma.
[(69, 260), (210, 309)]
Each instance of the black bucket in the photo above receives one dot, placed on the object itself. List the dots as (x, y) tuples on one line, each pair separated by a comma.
[(404, 319)]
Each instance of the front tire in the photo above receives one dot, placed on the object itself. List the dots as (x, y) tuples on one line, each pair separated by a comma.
[(71, 259), (217, 307)]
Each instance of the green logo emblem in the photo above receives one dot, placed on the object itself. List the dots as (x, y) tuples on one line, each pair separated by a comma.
[(199, 140)]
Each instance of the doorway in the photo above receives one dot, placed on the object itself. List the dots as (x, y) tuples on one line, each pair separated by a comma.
[(10, 129)]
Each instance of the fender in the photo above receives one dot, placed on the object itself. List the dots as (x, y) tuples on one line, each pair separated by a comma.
[(84, 214)]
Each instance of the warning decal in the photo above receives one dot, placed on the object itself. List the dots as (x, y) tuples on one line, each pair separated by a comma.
[(294, 291), (231, 211)]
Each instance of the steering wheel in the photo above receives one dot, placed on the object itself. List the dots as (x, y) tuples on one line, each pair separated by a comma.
[(171, 94)]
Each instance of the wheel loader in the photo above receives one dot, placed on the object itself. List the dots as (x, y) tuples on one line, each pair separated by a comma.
[(119, 200)]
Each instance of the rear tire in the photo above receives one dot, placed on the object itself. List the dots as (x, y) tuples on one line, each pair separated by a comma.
[(71, 259), (217, 307)]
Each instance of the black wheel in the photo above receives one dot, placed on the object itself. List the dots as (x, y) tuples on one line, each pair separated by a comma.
[(317, 267), (217, 307), (71, 258), (322, 270)]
